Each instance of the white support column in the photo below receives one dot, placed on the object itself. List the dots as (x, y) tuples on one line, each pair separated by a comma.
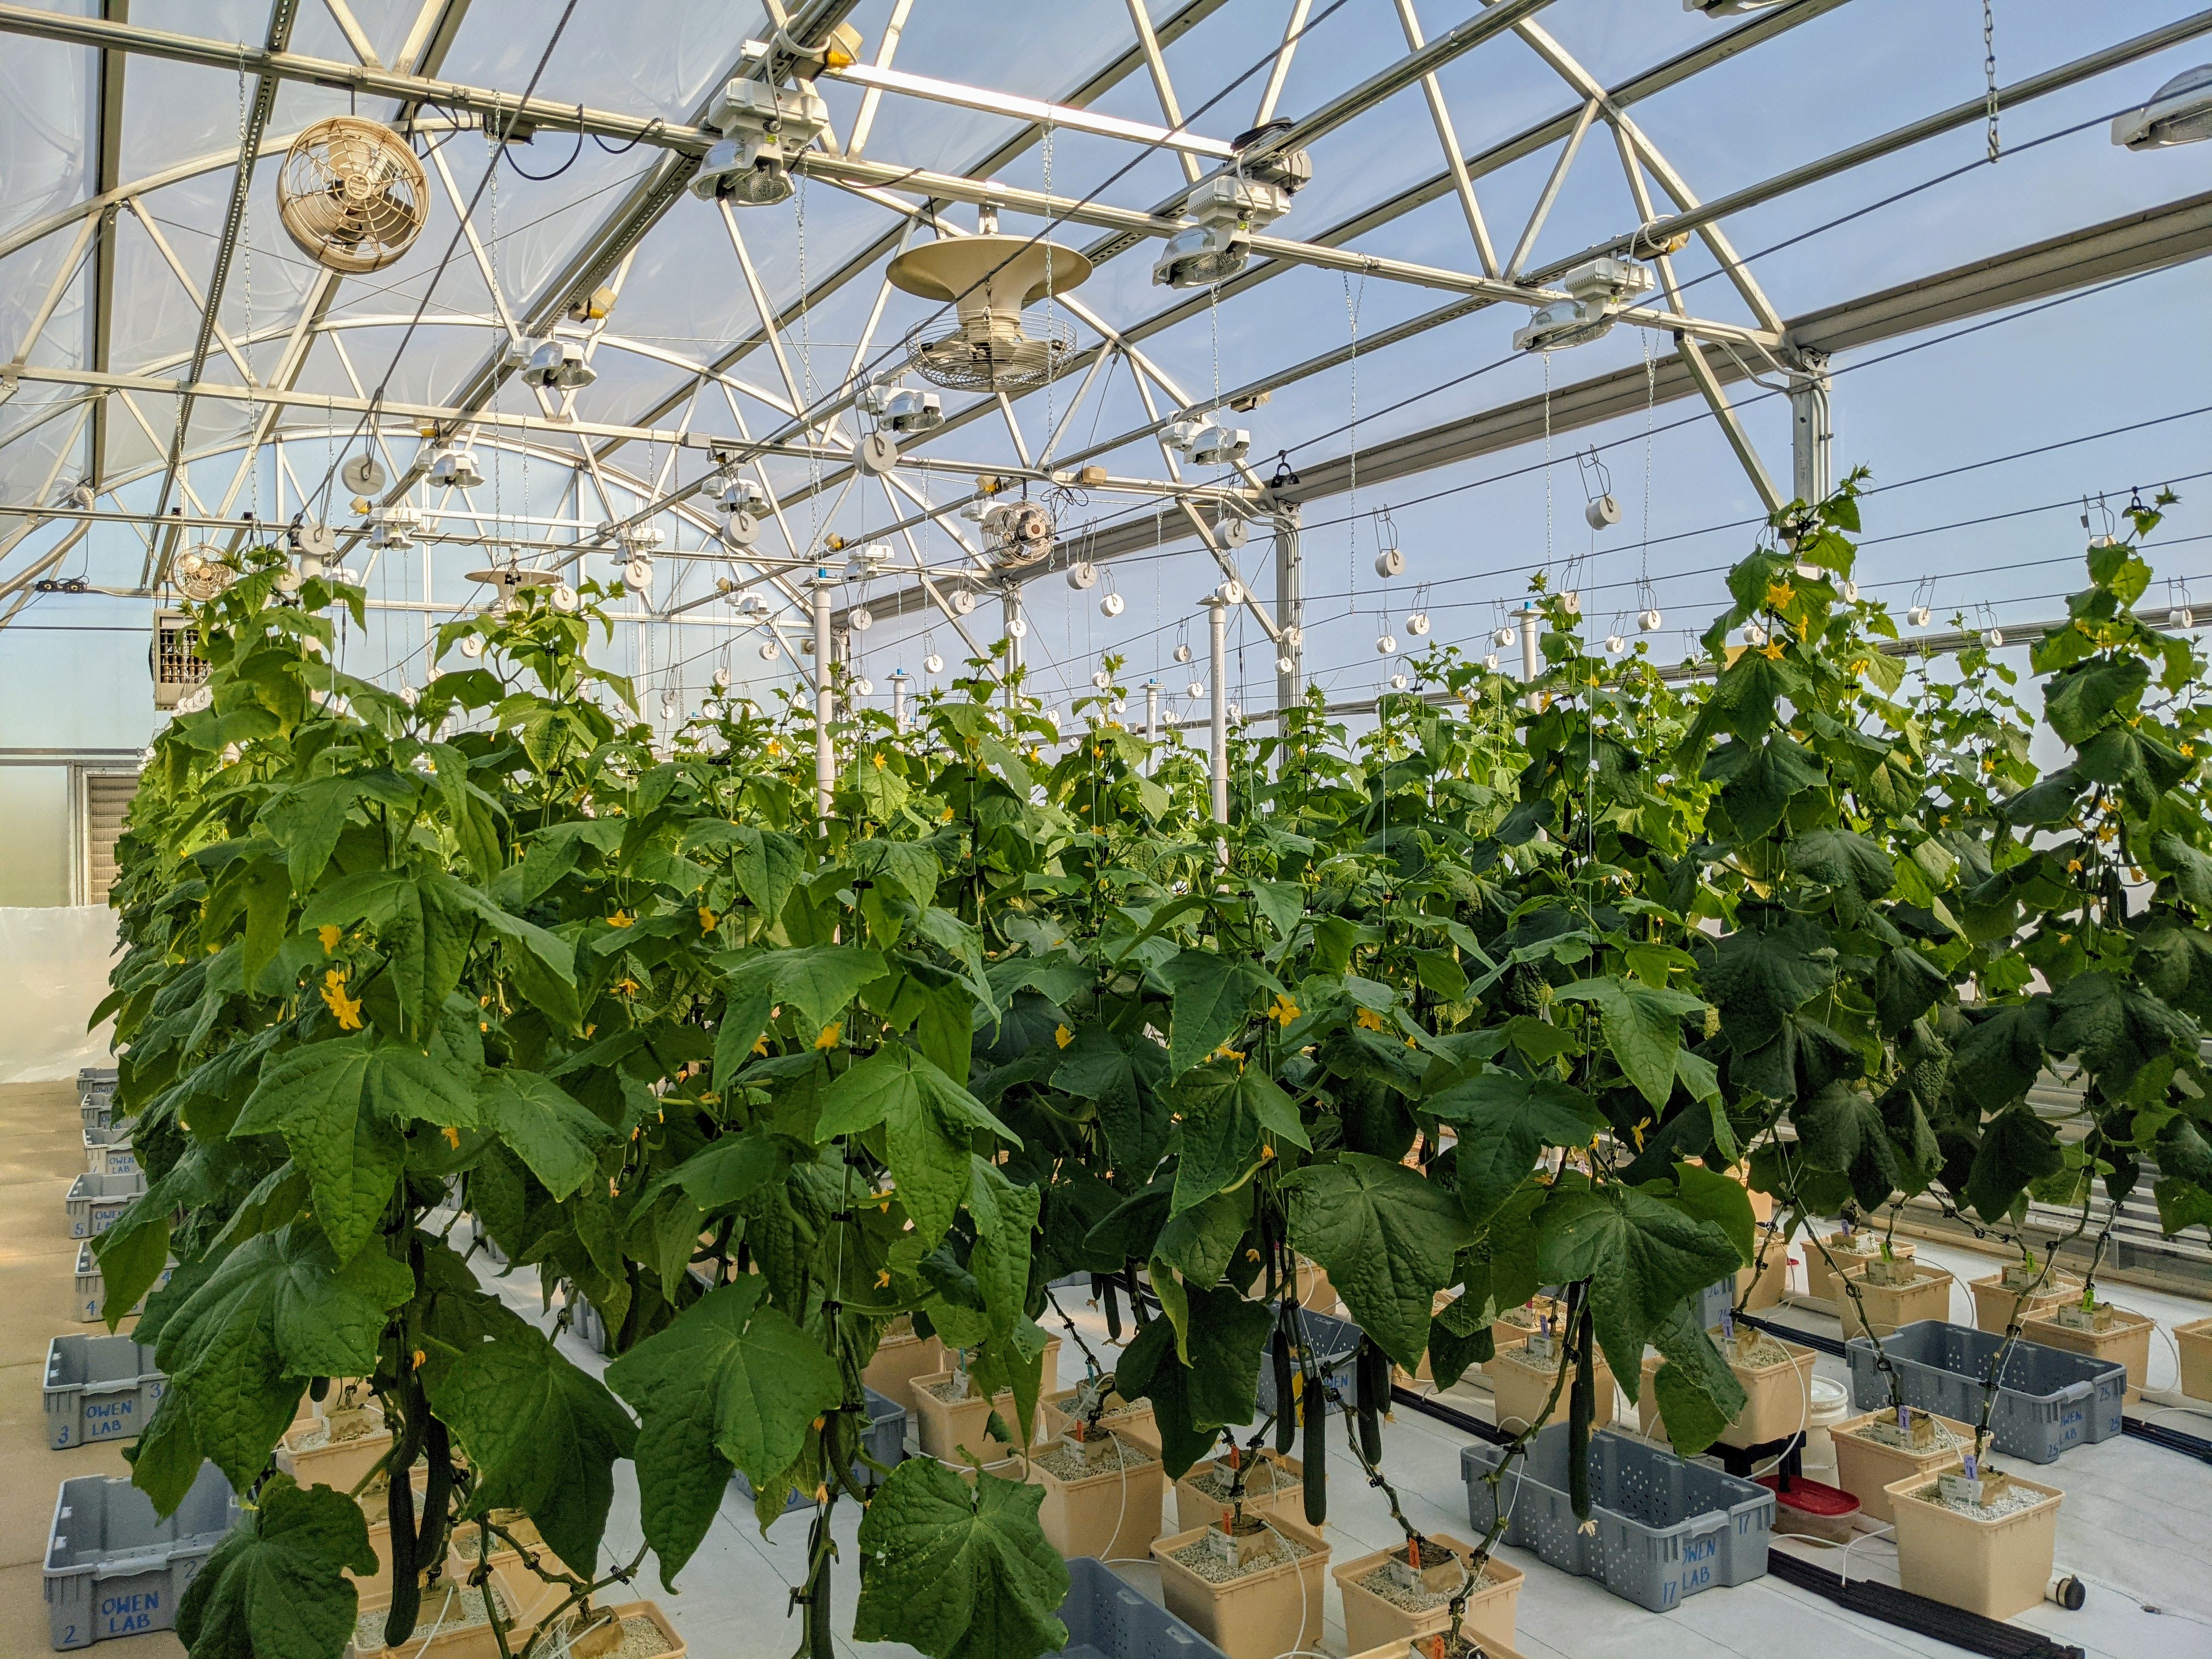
[(1151, 722), (1811, 433), (898, 679), (1216, 645), (1290, 607), (824, 586), (1011, 625), (1531, 658)]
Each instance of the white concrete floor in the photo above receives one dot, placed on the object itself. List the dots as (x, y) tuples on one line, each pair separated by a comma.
[(2136, 1528)]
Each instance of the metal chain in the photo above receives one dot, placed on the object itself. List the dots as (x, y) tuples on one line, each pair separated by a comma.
[(1990, 69)]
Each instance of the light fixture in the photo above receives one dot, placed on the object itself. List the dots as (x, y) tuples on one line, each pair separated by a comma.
[(1596, 289), (1228, 208), (454, 467), (764, 127), (559, 365), (902, 409), (1727, 8), (2179, 112), (1205, 441), (393, 527)]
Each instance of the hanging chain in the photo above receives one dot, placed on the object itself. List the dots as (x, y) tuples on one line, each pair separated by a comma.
[(1547, 459), (1352, 474), (245, 258), (1990, 69), (1051, 358), (1650, 399)]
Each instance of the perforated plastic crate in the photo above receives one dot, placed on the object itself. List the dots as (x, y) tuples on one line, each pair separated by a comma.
[(1665, 1528), (884, 1437), (1107, 1620), (2048, 1399), (108, 1149), (89, 1078), (96, 1107), (91, 1285), (99, 1388), (95, 1202), (113, 1568), (1334, 1343)]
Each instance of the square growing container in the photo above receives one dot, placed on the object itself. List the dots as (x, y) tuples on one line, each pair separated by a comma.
[(2126, 1342), (1994, 1300), (1263, 1610), (92, 1286), (2194, 1339), (884, 1439), (107, 1149), (1995, 1565), (95, 1202), (1334, 1343), (1107, 1620), (1867, 1464), (1919, 1293), (2047, 1399), (1374, 1617), (113, 1568), (1665, 1529), (99, 1388)]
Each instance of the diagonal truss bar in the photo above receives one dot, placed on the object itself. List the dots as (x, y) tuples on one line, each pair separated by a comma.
[(281, 18)]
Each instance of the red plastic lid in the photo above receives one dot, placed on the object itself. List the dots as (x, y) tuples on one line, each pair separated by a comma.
[(1813, 1496)]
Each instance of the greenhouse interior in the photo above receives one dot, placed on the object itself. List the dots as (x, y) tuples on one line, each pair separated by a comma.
[(1154, 829)]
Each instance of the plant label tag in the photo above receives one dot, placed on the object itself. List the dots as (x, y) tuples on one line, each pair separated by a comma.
[(1959, 1488)]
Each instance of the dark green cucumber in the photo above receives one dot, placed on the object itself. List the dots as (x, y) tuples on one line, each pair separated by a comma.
[(1113, 1309), (1315, 1408), (1371, 1420), (1583, 1409), (1286, 1411)]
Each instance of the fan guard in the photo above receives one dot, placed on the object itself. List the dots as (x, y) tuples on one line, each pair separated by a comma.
[(200, 574), (352, 195), (962, 357)]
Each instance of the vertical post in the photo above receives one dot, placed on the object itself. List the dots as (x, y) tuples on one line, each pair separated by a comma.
[(1290, 607), (1011, 624), (1216, 644), (898, 677), (825, 759), (1811, 433), (1530, 659), (1151, 725)]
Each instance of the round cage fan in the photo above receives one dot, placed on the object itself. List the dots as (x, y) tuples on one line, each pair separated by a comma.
[(352, 195), (990, 346), (201, 575)]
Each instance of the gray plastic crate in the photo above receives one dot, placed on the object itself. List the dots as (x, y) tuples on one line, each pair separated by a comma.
[(91, 1285), (586, 1323), (1334, 1342), (99, 1388), (2048, 1399), (1107, 1620), (96, 1107), (107, 1149), (1665, 1528), (884, 1437), (113, 1568), (90, 1077), (1716, 1302), (95, 1200)]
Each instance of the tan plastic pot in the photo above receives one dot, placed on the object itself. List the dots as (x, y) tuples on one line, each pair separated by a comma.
[(1925, 1294), (1260, 1614), (2195, 1341), (2127, 1343), (1820, 1284), (1997, 1568), (629, 1614), (1993, 1303), (339, 1464), (1521, 1387), (434, 1640), (942, 1427), (1374, 1620), (1777, 1397), (1113, 1514), (899, 1358), (1274, 1487), (1131, 1420), (1868, 1469), (1399, 1649)]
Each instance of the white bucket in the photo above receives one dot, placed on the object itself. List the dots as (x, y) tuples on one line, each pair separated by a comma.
[(1831, 1404)]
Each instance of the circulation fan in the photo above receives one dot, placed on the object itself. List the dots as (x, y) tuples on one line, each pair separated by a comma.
[(352, 195), (201, 575), (988, 279)]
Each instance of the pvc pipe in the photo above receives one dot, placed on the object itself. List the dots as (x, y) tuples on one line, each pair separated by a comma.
[(1217, 639), (825, 760)]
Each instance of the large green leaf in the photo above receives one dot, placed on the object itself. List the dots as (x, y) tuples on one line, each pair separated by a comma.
[(1770, 966), (1005, 1218), (1226, 1109), (1643, 1027), (956, 1572), (1122, 1080), (818, 981), (1841, 1128), (1758, 780), (1699, 1395), (542, 1124), (731, 1382), (541, 1435), (1388, 1236), (1643, 1256), (275, 1311), (1217, 1388), (929, 1122), (2081, 699), (2000, 1057), (2115, 1028), (336, 1104), (276, 1587), (1855, 870), (2018, 1148), (1212, 998), (424, 942), (1721, 1199)]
